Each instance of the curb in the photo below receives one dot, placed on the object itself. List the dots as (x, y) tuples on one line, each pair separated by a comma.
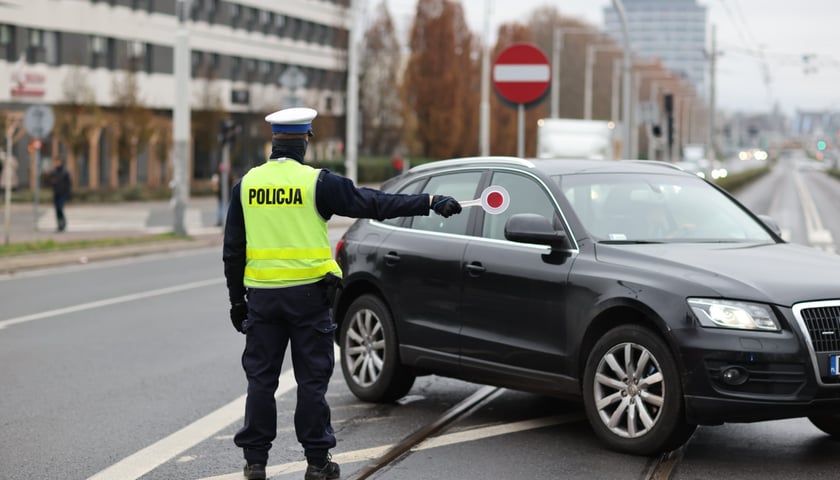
[(18, 263)]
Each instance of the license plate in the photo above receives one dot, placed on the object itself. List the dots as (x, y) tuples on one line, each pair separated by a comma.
[(834, 365)]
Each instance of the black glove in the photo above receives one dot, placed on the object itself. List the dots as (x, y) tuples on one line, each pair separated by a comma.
[(238, 314), (445, 206)]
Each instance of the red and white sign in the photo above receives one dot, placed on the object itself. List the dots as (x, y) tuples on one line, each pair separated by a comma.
[(494, 200), (521, 73), (26, 81)]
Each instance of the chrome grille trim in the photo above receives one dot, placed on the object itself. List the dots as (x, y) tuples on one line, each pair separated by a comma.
[(815, 318)]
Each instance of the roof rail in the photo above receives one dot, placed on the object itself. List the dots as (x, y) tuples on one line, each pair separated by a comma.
[(656, 162), (455, 162)]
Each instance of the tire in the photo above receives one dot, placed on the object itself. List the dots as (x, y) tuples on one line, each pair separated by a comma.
[(828, 423), (640, 414), (370, 359)]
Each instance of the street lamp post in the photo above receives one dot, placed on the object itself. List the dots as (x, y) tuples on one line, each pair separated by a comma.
[(181, 118), (628, 65), (484, 113), (591, 51), (556, 51)]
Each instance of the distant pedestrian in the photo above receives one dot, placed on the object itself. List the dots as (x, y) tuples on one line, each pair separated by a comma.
[(61, 187)]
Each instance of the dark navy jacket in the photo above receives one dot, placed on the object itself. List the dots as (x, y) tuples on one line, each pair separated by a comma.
[(334, 195)]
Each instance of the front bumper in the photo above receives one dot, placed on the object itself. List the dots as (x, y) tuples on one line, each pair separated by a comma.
[(778, 375)]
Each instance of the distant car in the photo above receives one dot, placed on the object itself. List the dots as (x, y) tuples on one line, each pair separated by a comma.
[(647, 292)]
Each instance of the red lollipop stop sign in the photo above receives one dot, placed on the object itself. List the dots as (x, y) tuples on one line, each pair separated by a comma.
[(521, 74), (494, 200)]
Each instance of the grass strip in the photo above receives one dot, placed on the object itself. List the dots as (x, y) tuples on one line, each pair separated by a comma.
[(42, 246)]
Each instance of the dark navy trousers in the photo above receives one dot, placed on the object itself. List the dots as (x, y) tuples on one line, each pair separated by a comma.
[(298, 316)]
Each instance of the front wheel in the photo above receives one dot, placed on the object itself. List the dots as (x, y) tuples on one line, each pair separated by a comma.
[(828, 423), (632, 393), (370, 359)]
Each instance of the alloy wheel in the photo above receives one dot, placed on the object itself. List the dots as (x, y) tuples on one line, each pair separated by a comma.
[(364, 348), (629, 390)]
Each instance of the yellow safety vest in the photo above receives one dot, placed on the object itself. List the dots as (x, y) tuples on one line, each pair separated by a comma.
[(287, 241)]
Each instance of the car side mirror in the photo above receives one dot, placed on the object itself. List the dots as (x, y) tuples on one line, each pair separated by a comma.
[(533, 228), (768, 220)]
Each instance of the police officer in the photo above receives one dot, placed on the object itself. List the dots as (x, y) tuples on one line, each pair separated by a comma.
[(278, 262)]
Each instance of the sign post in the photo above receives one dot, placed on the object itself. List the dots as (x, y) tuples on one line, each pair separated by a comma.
[(521, 76), (38, 122)]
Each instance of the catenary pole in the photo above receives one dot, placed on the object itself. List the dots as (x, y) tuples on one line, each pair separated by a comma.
[(627, 83), (181, 119)]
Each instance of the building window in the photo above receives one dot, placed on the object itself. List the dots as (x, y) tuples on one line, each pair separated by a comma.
[(98, 47), (35, 46), (235, 12), (51, 50), (7, 42)]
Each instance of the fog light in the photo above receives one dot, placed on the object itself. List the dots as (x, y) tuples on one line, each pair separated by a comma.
[(734, 376)]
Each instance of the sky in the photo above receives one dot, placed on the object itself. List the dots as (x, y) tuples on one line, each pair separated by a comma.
[(760, 44)]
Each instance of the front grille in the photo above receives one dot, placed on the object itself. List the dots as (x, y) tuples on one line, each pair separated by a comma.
[(823, 326)]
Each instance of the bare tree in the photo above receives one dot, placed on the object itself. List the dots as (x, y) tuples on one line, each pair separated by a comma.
[(379, 98), (439, 85), (133, 127), (76, 121)]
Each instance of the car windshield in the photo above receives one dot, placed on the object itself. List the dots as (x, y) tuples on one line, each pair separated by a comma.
[(635, 208)]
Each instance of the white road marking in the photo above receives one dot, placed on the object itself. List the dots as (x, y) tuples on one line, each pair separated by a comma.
[(144, 461), (818, 235), (367, 454), (110, 301)]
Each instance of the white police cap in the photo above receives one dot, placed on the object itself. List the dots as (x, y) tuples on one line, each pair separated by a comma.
[(292, 120)]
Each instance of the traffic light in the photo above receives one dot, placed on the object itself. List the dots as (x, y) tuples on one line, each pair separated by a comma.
[(228, 131), (669, 119), (821, 145)]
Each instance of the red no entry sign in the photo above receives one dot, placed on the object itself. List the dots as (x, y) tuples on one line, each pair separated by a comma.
[(521, 73)]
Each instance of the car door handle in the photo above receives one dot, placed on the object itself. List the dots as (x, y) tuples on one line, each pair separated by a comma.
[(391, 259), (475, 269)]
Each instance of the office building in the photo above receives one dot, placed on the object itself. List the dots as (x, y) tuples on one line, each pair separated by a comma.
[(105, 68), (673, 31)]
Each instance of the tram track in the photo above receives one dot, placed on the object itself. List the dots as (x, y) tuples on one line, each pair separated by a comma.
[(460, 411), (662, 467)]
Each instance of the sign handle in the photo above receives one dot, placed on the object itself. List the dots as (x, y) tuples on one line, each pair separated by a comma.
[(471, 203)]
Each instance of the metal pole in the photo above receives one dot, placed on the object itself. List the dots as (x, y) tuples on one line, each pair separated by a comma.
[(711, 133), (351, 149), (634, 100), (555, 74), (37, 183), (484, 126), (652, 99), (7, 173), (616, 92), (224, 177), (181, 119), (520, 131), (625, 113), (587, 82)]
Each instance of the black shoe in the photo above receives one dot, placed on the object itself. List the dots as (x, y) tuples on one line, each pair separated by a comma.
[(330, 471), (254, 472)]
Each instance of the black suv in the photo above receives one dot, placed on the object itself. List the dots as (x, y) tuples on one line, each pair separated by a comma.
[(644, 290)]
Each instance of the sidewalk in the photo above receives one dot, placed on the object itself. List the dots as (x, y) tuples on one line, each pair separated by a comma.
[(104, 221)]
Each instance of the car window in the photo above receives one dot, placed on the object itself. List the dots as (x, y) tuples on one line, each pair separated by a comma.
[(659, 208), (409, 189), (526, 196), (461, 186)]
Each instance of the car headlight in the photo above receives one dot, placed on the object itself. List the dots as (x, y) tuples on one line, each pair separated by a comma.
[(719, 313)]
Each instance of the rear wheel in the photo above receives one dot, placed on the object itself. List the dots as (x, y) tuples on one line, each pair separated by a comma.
[(370, 359), (828, 423), (632, 393)]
